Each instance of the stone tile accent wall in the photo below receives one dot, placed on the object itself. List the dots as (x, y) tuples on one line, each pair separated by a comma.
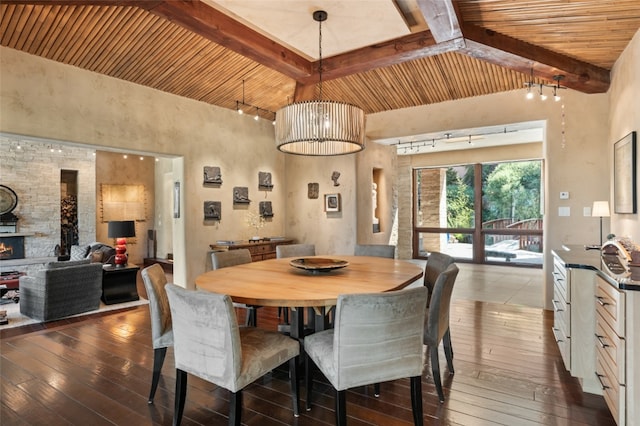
[(30, 168), (405, 212)]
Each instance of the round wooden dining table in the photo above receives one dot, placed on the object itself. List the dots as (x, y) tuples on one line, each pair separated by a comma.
[(275, 282)]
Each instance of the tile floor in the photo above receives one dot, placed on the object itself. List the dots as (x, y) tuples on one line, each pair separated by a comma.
[(500, 284)]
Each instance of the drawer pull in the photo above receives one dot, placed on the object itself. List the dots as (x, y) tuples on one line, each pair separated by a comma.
[(602, 344), (600, 376), (555, 308), (601, 301), (557, 330)]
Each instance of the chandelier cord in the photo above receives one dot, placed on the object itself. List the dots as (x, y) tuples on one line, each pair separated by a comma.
[(320, 54)]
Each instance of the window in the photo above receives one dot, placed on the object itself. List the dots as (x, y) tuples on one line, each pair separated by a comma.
[(483, 213)]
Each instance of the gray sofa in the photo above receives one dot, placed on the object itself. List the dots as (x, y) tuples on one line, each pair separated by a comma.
[(61, 289)]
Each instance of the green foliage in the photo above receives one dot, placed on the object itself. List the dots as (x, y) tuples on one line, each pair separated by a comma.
[(459, 201), (512, 190)]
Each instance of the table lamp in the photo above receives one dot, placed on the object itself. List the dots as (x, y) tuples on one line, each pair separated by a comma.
[(120, 230), (600, 209)]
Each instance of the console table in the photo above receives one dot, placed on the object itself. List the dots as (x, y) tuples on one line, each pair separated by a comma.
[(119, 284), (260, 250)]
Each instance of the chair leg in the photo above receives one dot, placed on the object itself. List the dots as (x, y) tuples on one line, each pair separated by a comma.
[(448, 350), (376, 390), (416, 400), (295, 387), (235, 409), (158, 360), (308, 379), (435, 369), (252, 317), (341, 408), (181, 394)]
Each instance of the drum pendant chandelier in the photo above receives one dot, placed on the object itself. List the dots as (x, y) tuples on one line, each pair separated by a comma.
[(320, 127)]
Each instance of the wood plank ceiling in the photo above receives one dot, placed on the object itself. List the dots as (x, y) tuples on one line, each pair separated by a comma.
[(188, 48)]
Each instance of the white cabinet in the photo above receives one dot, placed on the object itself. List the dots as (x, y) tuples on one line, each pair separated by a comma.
[(618, 350), (574, 322)]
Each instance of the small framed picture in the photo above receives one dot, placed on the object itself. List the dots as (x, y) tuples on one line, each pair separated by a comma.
[(332, 202)]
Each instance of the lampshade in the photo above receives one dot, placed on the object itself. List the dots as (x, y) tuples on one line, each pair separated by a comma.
[(600, 209), (320, 128), (121, 229)]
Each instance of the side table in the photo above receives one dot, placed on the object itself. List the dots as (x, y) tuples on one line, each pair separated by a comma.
[(119, 284)]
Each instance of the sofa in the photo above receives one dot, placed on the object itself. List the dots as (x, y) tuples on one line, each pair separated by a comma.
[(61, 289)]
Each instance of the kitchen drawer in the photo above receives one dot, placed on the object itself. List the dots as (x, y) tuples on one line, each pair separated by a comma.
[(614, 394), (610, 305), (611, 350), (564, 345), (560, 278)]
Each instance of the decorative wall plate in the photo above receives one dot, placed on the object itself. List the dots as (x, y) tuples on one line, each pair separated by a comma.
[(8, 199)]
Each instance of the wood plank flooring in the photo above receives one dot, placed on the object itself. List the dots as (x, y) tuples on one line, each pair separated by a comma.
[(98, 372)]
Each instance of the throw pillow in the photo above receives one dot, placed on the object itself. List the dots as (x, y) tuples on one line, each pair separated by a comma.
[(96, 256), (79, 252)]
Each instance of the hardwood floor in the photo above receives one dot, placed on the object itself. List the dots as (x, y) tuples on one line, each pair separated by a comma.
[(98, 371)]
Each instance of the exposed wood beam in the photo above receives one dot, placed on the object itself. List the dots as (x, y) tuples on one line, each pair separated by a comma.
[(221, 29), (392, 52), (517, 55), (304, 92), (442, 19)]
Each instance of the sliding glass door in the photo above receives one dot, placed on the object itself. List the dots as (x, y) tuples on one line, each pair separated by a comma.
[(482, 213)]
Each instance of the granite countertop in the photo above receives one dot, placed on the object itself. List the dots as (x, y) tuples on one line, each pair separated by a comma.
[(576, 256)]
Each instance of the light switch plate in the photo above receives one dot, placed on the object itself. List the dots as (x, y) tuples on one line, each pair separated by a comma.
[(564, 195), (564, 211), (586, 211)]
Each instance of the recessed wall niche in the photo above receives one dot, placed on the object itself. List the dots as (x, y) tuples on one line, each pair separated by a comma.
[(376, 190)]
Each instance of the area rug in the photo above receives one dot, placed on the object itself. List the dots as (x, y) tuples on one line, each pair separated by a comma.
[(16, 319)]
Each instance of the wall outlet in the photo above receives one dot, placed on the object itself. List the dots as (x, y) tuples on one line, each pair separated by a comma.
[(564, 195)]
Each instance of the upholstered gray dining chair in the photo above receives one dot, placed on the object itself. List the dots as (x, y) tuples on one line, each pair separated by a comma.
[(208, 343), (359, 351), (292, 250), (436, 264), (224, 259), (154, 281), (436, 327), (376, 250)]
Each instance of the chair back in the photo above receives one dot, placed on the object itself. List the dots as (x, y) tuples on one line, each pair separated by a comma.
[(206, 335), (294, 250), (154, 281), (378, 337), (376, 250), (223, 259), (439, 305), (436, 264)]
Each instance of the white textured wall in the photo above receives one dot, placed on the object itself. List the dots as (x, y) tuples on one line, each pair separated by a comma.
[(577, 165), (45, 99), (625, 118)]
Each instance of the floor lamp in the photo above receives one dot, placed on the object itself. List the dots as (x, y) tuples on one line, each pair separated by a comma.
[(600, 209), (120, 230)]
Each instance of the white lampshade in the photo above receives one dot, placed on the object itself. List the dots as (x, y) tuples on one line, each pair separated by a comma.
[(600, 209)]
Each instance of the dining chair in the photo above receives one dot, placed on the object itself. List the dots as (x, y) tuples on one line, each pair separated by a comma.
[(292, 250), (359, 351), (376, 250), (224, 259), (436, 264), (436, 327), (154, 280), (209, 344)]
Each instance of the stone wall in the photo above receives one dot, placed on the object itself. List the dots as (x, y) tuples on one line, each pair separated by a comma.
[(32, 170)]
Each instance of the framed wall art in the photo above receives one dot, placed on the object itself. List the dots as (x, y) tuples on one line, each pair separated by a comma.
[(624, 175), (332, 203), (212, 210)]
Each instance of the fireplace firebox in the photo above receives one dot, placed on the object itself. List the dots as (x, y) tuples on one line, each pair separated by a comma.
[(11, 247)]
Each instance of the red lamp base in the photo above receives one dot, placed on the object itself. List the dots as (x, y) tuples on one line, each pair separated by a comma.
[(121, 250)]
